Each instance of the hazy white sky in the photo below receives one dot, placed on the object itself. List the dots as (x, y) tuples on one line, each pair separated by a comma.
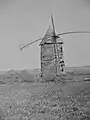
[(22, 21)]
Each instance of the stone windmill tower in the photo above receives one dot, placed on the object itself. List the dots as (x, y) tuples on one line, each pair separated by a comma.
[(52, 58)]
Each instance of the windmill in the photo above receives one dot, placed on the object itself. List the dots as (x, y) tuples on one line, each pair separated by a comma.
[(52, 58)]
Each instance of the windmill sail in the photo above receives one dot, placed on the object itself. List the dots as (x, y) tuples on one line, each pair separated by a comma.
[(52, 60)]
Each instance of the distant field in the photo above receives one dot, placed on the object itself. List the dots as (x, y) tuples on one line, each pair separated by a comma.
[(10, 77)]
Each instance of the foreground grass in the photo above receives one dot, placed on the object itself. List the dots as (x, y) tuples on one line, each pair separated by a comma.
[(41, 102)]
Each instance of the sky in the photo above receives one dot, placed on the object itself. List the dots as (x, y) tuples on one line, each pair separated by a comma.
[(22, 21)]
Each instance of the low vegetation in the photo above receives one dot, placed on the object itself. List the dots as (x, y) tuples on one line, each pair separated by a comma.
[(49, 103), (47, 106)]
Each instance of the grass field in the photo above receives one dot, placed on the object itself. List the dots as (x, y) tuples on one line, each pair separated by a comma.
[(24, 100)]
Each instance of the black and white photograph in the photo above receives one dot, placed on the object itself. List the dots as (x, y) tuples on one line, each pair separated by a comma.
[(44, 59)]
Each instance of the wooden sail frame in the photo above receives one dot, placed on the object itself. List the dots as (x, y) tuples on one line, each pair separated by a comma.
[(52, 42)]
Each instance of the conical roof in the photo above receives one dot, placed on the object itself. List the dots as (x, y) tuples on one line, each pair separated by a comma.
[(47, 35)]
